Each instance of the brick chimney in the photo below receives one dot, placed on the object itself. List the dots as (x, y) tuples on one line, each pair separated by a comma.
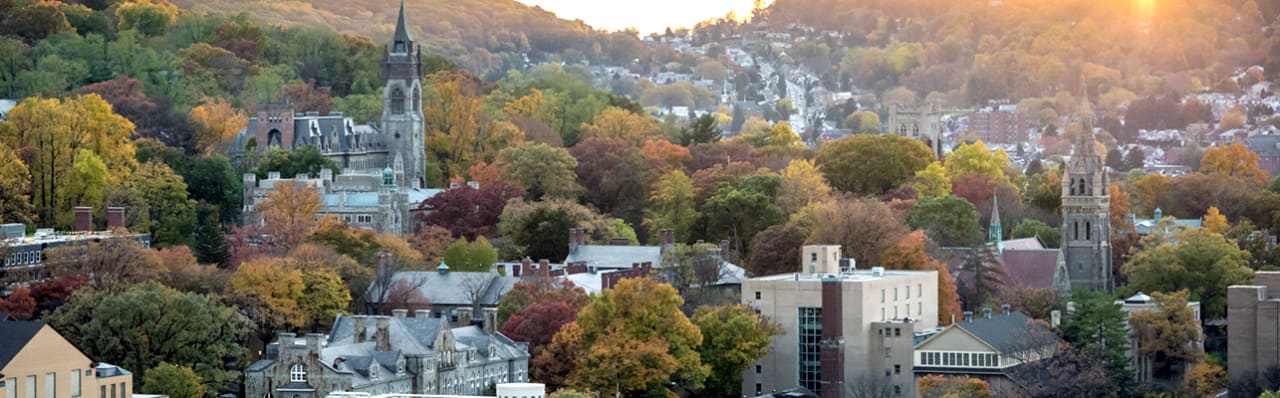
[(115, 218), (518, 270), (383, 334), (360, 327), (544, 268), (464, 316), (666, 237), (490, 320), (84, 219)]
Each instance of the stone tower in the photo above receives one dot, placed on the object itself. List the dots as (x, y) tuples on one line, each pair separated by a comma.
[(402, 122), (1086, 215)]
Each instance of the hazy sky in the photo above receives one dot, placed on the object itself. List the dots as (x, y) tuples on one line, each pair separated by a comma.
[(646, 15)]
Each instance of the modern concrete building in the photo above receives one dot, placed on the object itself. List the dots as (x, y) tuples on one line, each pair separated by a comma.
[(37, 362), (1253, 339), (844, 329), (25, 256)]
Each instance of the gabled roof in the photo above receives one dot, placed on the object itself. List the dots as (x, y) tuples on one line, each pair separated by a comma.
[(1022, 244), (1032, 268), (14, 336), (1000, 331)]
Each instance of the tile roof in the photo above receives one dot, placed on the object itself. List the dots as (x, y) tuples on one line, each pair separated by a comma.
[(14, 335)]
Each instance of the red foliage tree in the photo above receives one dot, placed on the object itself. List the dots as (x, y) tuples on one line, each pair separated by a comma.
[(306, 97), (405, 295), (51, 294), (20, 304), (616, 173), (466, 211), (538, 323)]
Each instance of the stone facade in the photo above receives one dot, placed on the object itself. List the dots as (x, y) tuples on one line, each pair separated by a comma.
[(1086, 217), (370, 201), (388, 355), (923, 122)]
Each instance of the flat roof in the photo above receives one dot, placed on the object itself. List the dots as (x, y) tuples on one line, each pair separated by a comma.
[(67, 237), (855, 276)]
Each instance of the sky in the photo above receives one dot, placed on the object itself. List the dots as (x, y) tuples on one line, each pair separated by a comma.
[(647, 16)]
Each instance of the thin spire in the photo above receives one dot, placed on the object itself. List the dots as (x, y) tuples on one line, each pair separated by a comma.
[(402, 39), (995, 234)]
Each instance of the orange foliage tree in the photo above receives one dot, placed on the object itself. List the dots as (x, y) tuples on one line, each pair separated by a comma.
[(909, 254)]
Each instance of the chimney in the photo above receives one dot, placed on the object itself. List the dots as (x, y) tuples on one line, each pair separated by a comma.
[(422, 314), (464, 317), (724, 249), (84, 219), (1055, 318), (490, 320), (361, 327), (115, 218), (522, 268), (273, 175), (383, 335), (1005, 309), (832, 349), (313, 343), (286, 342), (968, 316), (986, 312), (400, 313), (667, 237), (544, 267)]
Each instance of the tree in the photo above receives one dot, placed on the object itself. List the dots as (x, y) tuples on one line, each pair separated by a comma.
[(324, 296), (1206, 379), (290, 213), (555, 365), (545, 172), (671, 205), (661, 156), (475, 256), (1115, 159), (734, 337), (150, 17), (33, 22), (1233, 118), (1030, 227), (1134, 159), (431, 241), (1168, 333), (1235, 160), (1202, 262), (305, 160), (621, 124), (540, 290), (932, 182), (909, 254), (871, 164), (616, 173), (306, 97), (183, 329), (864, 228), (743, 209), (538, 323), (635, 339), (938, 386), (1100, 326), (802, 184), (1215, 222), (216, 124), (988, 280), (978, 158), (863, 122), (268, 292), (776, 250), (703, 130), (468, 212), (166, 195), (212, 179), (20, 305), (950, 221), (541, 229), (210, 245), (15, 189), (108, 264), (174, 381)]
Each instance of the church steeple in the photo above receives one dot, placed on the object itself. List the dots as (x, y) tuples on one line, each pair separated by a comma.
[(402, 43), (995, 234)]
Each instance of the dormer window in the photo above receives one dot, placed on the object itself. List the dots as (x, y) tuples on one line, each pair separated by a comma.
[(373, 371), (400, 367), (298, 373), (400, 48)]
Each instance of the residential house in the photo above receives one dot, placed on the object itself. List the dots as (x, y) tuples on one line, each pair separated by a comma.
[(36, 361)]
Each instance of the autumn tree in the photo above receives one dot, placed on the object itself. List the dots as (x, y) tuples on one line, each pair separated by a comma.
[(474, 256), (950, 221), (307, 97), (290, 213), (173, 213), (174, 381), (1235, 160), (1206, 379), (150, 17), (978, 158), (734, 336), (932, 182), (863, 122), (938, 386), (910, 254), (616, 172), (864, 228), (20, 304), (1197, 260), (185, 329), (538, 323), (1215, 222), (621, 124), (776, 250), (468, 212), (109, 263), (544, 171), (15, 189), (216, 125), (541, 229), (671, 205), (268, 292), (1168, 332), (540, 290), (802, 184), (636, 339), (871, 164), (742, 209)]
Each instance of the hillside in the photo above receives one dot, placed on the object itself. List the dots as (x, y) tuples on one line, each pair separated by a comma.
[(475, 32)]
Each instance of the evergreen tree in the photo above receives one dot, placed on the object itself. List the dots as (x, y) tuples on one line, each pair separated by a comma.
[(1100, 326), (738, 119), (211, 245)]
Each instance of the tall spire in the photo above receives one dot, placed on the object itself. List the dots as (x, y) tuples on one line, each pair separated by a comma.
[(994, 232), (402, 42)]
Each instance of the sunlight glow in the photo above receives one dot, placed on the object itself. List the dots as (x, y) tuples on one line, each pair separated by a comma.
[(652, 16)]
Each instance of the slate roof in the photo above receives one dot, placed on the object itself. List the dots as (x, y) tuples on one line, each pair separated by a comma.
[(1031, 268), (108, 370), (604, 256), (999, 331), (1022, 244), (446, 288), (260, 365), (1143, 226), (330, 134), (14, 335), (413, 336)]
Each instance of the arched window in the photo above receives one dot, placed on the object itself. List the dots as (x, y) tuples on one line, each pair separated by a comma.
[(1088, 231), (275, 138), (397, 101), (298, 373), (1076, 226)]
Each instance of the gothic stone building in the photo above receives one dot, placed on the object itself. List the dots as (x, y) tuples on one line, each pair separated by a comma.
[(384, 355), (1086, 215), (384, 167)]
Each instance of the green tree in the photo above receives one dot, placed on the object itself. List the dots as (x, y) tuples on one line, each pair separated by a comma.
[(704, 130), (324, 296), (1168, 332), (210, 244), (932, 182), (1202, 262), (174, 381), (1030, 227), (151, 17), (541, 229), (213, 180), (863, 122), (15, 189), (733, 337), (671, 205), (544, 171), (949, 221), (166, 195), (743, 209), (978, 158), (634, 338), (148, 324), (868, 164), (305, 160), (475, 256), (1099, 325)]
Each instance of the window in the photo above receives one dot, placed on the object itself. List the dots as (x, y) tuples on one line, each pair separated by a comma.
[(113, 391), (895, 294), (124, 392), (888, 352), (75, 382), (881, 295), (757, 295), (813, 256), (397, 101), (919, 290), (31, 387), (759, 369), (919, 309), (298, 373), (897, 369), (759, 389), (102, 391), (810, 338), (11, 387), (897, 332)]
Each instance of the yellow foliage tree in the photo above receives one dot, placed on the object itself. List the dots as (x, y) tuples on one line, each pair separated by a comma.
[(15, 188), (1235, 160), (932, 182), (1205, 379), (622, 124), (978, 158), (269, 292), (290, 212), (802, 184), (216, 123), (1214, 221)]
